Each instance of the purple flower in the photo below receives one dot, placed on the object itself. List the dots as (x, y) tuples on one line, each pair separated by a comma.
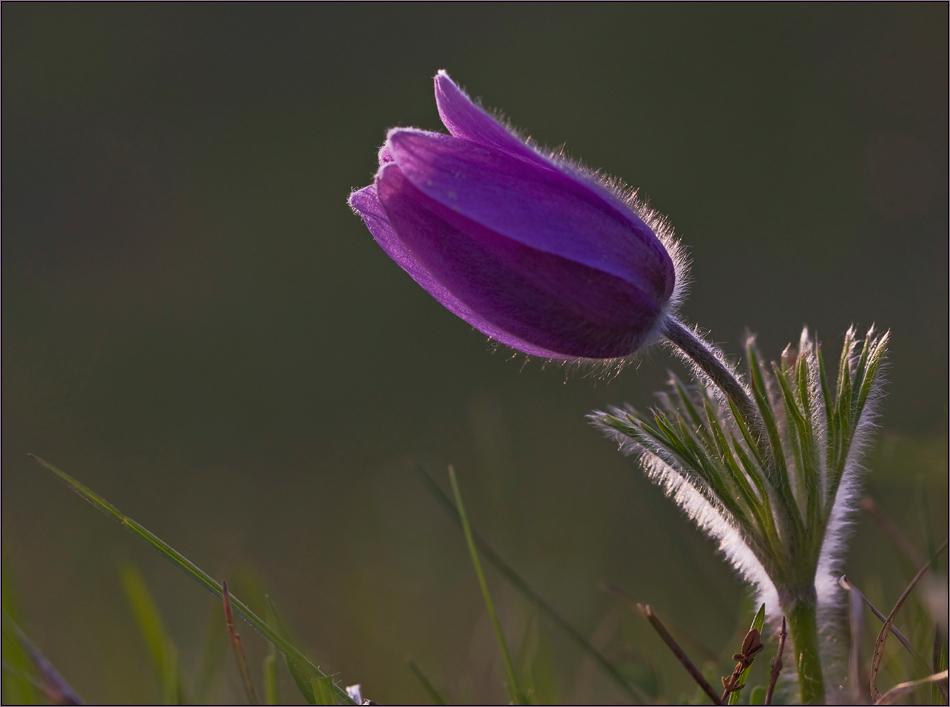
[(529, 249)]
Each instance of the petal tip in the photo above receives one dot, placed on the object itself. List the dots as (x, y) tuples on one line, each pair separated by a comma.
[(385, 153), (442, 77), (363, 200)]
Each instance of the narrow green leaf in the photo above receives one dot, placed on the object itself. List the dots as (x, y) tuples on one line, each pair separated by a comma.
[(794, 427), (427, 685), (866, 347), (189, 568), (270, 677), (852, 406), (805, 445), (718, 477), (18, 686), (767, 534), (53, 685), (513, 690), (829, 403), (750, 441), (938, 696), (877, 351), (686, 401), (301, 674), (778, 473), (843, 401), (758, 621), (757, 697), (212, 658), (764, 505), (323, 691), (161, 647), (506, 571)]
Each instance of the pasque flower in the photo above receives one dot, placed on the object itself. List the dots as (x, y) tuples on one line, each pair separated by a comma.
[(551, 259), (527, 247)]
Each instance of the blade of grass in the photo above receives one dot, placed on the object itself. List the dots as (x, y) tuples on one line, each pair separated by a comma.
[(757, 697), (908, 552), (212, 658), (882, 637), (427, 685), (30, 681), (903, 688), (52, 684), (323, 691), (161, 647), (513, 690), (678, 652), (849, 587), (238, 648), (23, 689), (940, 663), (854, 653), (188, 567), (301, 675), (633, 692), (270, 677)]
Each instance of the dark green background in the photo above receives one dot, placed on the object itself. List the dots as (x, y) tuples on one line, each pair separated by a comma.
[(195, 324)]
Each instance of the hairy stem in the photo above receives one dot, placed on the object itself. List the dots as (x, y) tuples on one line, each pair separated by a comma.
[(801, 613), (704, 355)]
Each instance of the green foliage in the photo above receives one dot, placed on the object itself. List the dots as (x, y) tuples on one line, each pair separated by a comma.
[(322, 688), (17, 686), (292, 655), (434, 694), (631, 690), (518, 697), (161, 647), (774, 480)]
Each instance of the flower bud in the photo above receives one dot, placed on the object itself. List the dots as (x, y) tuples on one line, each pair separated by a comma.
[(529, 249)]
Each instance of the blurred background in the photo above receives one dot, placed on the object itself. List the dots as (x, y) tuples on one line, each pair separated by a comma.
[(196, 326)]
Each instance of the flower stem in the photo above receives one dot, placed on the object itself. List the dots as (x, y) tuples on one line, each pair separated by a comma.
[(801, 614), (704, 356)]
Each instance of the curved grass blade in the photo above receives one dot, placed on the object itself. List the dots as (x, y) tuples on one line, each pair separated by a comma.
[(846, 584), (270, 677), (882, 636), (161, 647), (903, 688), (192, 570), (513, 690), (632, 691), (323, 691), (212, 659), (52, 684), (301, 674), (20, 687), (427, 685)]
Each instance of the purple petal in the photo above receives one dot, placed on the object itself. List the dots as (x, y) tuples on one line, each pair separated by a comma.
[(366, 203), (531, 296), (385, 154), (539, 207), (467, 121)]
